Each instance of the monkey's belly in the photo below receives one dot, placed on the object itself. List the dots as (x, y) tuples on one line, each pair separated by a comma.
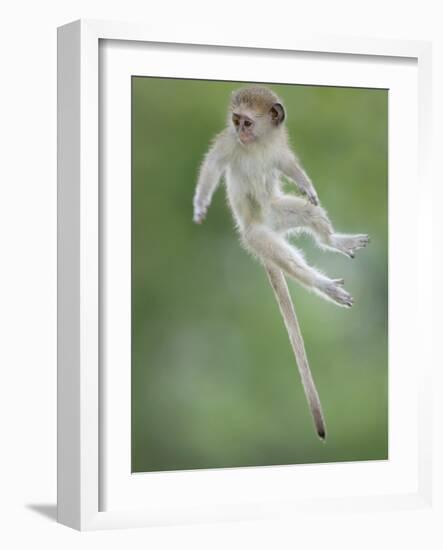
[(248, 208)]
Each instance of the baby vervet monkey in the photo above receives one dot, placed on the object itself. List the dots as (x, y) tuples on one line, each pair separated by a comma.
[(252, 154)]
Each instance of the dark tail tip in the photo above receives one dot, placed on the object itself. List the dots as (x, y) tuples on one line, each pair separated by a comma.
[(322, 434)]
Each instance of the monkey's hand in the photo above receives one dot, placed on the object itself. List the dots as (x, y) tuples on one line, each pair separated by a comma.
[(312, 196), (199, 213)]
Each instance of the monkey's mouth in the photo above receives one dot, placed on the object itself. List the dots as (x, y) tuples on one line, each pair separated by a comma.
[(246, 138)]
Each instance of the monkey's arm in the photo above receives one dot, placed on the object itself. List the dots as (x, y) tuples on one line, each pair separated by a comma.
[(291, 167), (209, 177)]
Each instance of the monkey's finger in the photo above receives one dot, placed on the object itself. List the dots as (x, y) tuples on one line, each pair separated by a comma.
[(199, 216), (313, 199)]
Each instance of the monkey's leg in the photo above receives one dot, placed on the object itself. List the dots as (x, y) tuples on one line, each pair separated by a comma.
[(281, 291), (272, 248), (289, 213)]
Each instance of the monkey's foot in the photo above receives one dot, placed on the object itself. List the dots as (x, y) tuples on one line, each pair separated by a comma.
[(349, 244), (334, 290)]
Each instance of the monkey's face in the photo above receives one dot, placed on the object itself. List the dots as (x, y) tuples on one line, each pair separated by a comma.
[(245, 126), (253, 125)]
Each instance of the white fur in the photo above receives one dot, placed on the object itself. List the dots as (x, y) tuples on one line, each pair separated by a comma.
[(263, 214)]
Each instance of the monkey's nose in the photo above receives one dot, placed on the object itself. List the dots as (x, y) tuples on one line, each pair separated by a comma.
[(246, 137)]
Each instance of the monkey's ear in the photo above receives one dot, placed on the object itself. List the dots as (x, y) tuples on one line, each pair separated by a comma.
[(277, 113)]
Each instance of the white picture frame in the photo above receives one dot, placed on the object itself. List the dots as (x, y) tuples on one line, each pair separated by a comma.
[(83, 443)]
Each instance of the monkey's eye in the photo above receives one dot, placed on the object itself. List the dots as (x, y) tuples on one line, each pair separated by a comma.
[(248, 123), (235, 121)]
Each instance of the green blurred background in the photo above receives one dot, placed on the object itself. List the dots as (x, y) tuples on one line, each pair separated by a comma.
[(214, 380)]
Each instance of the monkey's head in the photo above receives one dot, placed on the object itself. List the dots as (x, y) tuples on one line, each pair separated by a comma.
[(255, 114)]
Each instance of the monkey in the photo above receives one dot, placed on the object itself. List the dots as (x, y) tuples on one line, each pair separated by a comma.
[(253, 157)]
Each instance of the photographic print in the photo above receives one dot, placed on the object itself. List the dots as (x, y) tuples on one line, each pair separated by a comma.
[(259, 274)]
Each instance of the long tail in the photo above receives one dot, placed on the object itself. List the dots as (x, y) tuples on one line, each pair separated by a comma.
[(281, 291)]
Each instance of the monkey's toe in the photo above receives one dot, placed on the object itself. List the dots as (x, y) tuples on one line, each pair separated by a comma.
[(335, 291), (362, 241)]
